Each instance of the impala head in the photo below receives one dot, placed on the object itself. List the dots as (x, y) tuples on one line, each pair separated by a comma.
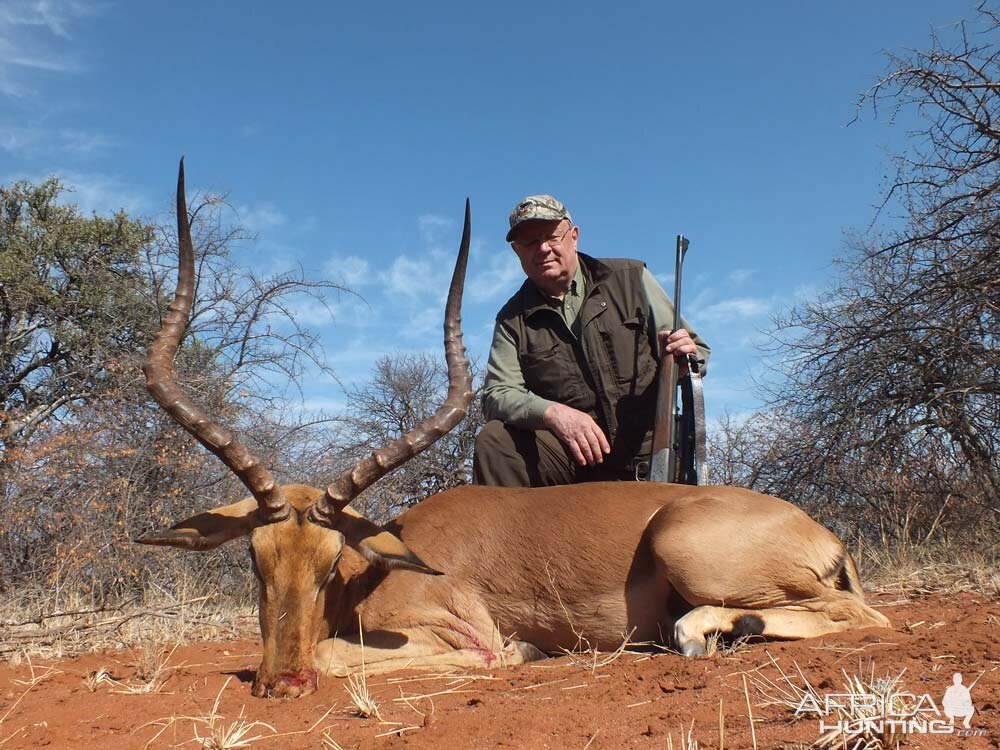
[(298, 534)]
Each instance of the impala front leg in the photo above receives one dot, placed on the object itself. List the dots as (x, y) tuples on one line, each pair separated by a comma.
[(381, 651)]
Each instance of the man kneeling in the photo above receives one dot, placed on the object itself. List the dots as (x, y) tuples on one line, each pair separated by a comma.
[(570, 386)]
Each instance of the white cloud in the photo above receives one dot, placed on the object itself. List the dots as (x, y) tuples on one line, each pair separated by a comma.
[(305, 225), (739, 276), (251, 129), (734, 310), (497, 275), (97, 193), (320, 405), (734, 417), (433, 228), (24, 141), (55, 16), (311, 313), (409, 277), (335, 312), (35, 45), (665, 280), (350, 270), (404, 298), (424, 275), (261, 217), (421, 330), (27, 28), (808, 293)]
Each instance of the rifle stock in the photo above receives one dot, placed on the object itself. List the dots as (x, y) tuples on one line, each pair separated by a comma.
[(663, 460)]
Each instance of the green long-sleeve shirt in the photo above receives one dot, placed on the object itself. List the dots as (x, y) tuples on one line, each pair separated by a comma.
[(505, 396)]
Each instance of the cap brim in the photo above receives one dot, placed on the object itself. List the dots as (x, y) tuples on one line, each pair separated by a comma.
[(554, 217)]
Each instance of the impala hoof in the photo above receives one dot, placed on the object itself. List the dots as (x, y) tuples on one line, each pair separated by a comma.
[(692, 648), (687, 639)]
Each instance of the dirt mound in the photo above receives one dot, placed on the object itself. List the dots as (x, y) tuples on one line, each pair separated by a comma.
[(127, 700)]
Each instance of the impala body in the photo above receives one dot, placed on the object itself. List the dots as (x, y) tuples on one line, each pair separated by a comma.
[(480, 576)]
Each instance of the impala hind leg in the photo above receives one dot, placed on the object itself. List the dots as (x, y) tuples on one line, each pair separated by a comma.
[(809, 618)]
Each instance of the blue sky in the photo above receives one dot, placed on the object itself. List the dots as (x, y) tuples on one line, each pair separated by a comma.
[(348, 136)]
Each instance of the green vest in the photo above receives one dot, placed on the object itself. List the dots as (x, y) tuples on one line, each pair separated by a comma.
[(610, 370)]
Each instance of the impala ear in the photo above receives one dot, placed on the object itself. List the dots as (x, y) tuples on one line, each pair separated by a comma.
[(380, 547), (208, 530), (388, 551)]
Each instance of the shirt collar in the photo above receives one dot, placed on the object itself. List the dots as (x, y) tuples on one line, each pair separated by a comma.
[(576, 288), (589, 271)]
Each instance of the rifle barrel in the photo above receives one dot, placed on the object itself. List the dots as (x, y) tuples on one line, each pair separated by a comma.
[(662, 462), (682, 246)]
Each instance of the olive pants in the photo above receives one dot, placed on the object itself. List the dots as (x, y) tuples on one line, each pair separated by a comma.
[(510, 457)]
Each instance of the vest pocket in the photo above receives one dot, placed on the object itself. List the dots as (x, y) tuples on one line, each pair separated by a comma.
[(545, 373), (624, 344)]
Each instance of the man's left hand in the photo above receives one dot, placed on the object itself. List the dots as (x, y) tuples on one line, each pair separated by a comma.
[(679, 343)]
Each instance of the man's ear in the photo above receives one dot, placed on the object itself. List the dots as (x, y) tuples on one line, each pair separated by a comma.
[(208, 530), (381, 548)]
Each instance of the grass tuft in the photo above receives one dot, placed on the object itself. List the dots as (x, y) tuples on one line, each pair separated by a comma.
[(36, 622), (212, 732), (151, 670), (686, 740), (328, 743), (868, 713), (100, 676), (357, 686), (860, 720), (934, 568)]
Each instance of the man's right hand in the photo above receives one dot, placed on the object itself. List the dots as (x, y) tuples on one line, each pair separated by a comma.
[(578, 432)]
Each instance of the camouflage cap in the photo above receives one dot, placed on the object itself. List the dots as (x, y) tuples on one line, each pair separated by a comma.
[(543, 207)]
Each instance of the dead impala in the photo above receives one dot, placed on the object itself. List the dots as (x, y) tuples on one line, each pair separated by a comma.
[(479, 576)]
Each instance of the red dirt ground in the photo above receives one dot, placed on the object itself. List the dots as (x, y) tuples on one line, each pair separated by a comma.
[(637, 701)]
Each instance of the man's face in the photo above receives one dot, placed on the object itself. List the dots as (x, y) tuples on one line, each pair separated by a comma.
[(547, 251)]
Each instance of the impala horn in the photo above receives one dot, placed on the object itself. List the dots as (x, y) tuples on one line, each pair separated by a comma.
[(353, 481), (161, 382)]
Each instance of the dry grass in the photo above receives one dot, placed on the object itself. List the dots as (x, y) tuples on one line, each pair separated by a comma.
[(785, 690), (363, 700), (100, 676), (716, 644), (151, 668), (586, 656), (409, 699), (35, 679), (874, 690), (686, 740), (48, 623), (357, 686), (211, 731), (859, 719), (753, 729), (221, 736), (328, 743), (36, 676), (936, 568)]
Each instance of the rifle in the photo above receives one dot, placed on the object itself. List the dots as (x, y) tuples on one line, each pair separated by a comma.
[(678, 453)]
